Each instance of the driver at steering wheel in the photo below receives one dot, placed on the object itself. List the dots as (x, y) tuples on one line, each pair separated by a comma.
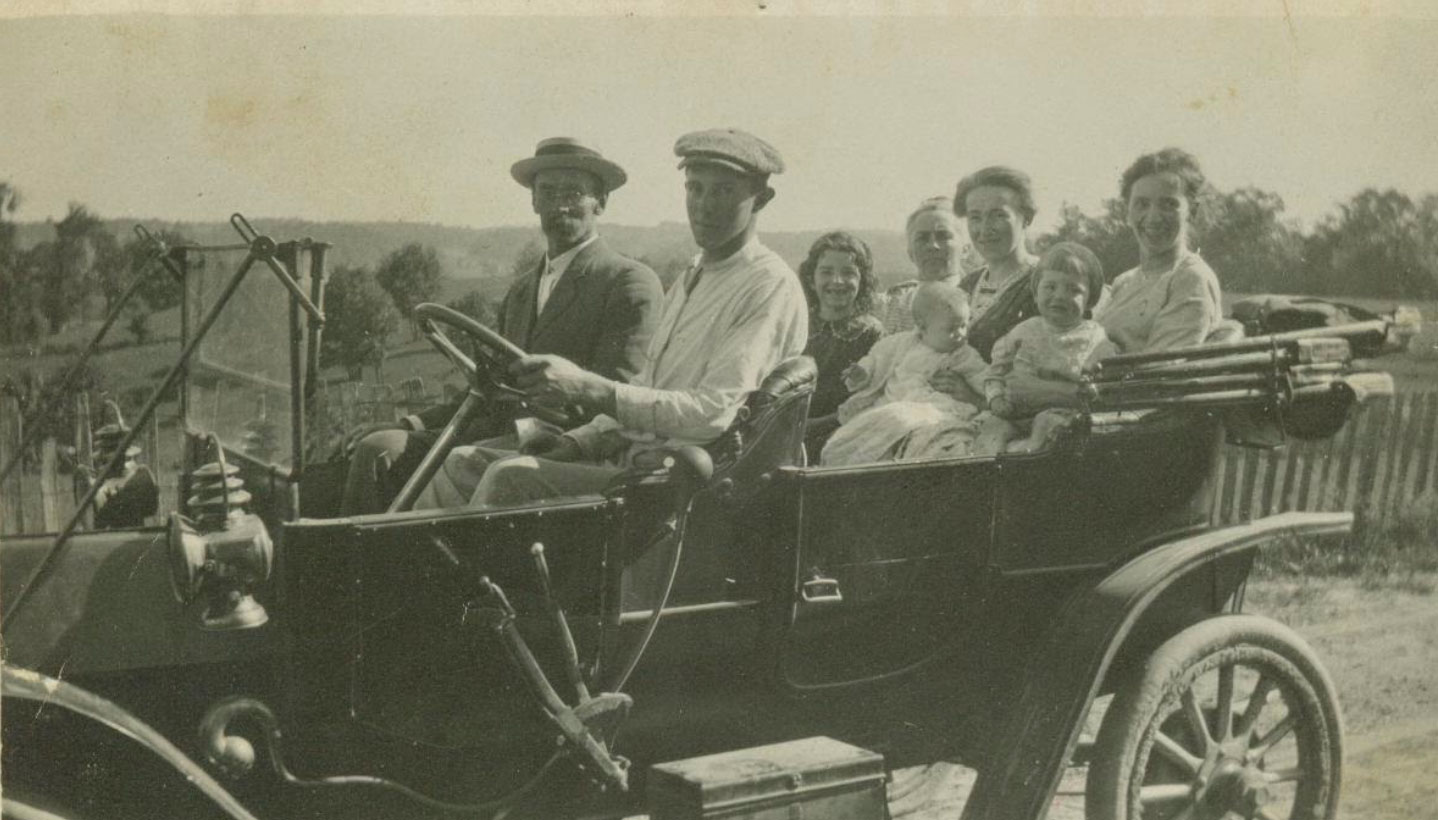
[(732, 318), (583, 301)]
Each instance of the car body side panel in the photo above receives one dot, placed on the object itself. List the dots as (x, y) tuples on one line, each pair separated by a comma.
[(889, 557), (108, 607), (393, 668), (1023, 769), (1091, 504)]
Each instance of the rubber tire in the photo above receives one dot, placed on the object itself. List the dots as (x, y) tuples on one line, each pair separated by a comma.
[(1128, 725)]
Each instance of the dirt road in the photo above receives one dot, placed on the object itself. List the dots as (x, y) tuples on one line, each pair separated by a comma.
[(1379, 643), (1381, 647)]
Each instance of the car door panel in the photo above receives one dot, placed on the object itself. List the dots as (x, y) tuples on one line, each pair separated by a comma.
[(887, 558)]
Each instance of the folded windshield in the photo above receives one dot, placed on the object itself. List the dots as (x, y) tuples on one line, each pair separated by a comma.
[(240, 379)]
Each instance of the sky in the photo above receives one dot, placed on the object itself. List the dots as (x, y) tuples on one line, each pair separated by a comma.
[(418, 117)]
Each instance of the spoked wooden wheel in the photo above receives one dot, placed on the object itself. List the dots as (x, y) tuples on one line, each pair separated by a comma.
[(1231, 718)]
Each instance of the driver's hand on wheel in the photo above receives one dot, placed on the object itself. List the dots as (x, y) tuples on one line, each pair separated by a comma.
[(556, 381), (553, 446)]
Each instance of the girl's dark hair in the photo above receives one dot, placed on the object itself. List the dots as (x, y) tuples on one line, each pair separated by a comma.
[(1071, 257), (1168, 161), (844, 242), (1000, 176)]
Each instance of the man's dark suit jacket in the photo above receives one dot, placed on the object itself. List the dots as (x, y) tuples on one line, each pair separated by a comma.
[(600, 316)]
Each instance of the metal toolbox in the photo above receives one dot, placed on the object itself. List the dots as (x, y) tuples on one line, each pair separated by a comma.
[(817, 777)]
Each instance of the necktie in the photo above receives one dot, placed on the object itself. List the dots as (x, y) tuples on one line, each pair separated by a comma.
[(546, 286)]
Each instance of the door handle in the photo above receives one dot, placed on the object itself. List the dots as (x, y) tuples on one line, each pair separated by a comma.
[(820, 589)]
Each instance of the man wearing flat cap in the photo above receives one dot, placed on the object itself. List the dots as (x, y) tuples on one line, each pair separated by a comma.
[(583, 301), (731, 319)]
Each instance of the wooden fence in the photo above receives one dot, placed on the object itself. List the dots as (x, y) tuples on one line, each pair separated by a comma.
[(1381, 461), (352, 403), (40, 494)]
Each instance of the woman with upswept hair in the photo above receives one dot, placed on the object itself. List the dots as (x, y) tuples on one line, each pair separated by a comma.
[(997, 204), (1172, 299)]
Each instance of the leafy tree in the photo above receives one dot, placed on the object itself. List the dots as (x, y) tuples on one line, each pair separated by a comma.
[(1380, 243), (24, 292), (18, 319), (1250, 245), (84, 251), (159, 289), (476, 307), (1108, 236), (359, 320), (410, 275)]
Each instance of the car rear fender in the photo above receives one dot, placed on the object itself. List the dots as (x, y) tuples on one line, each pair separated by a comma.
[(1067, 672)]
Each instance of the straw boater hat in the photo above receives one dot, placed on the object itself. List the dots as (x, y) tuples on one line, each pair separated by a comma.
[(567, 152)]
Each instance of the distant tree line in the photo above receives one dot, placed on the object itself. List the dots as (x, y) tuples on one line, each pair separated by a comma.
[(1379, 244), (44, 287)]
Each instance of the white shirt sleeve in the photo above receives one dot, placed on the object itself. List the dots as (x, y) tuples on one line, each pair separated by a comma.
[(1190, 311), (742, 355)]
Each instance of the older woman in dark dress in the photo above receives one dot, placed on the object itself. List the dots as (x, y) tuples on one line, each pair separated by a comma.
[(839, 282)]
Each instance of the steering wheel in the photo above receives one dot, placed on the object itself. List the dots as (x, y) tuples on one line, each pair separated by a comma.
[(488, 373)]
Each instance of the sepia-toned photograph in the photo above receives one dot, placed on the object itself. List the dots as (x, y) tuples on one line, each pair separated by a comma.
[(738, 409)]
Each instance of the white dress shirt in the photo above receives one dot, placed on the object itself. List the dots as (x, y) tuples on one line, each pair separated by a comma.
[(553, 270), (713, 346)]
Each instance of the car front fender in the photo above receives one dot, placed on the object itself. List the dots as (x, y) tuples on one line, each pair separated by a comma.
[(28, 685), (1022, 772)]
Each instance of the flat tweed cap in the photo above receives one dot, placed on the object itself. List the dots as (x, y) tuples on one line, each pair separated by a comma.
[(567, 152), (730, 148)]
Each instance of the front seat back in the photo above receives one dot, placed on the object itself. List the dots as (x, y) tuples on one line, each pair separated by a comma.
[(768, 432), (725, 535)]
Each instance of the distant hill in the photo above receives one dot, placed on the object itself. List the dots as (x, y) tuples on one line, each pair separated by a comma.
[(485, 257)]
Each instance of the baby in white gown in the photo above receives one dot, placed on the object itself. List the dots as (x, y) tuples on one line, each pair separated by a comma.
[(894, 411)]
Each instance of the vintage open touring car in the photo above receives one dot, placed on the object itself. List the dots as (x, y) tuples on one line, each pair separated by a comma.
[(255, 655)]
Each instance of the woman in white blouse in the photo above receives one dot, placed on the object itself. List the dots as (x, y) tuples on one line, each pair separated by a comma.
[(1172, 299)]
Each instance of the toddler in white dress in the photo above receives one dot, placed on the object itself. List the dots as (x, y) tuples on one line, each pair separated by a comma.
[(1056, 345), (894, 412)]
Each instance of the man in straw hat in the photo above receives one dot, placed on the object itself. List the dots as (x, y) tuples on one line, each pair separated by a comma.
[(734, 316), (583, 301)]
